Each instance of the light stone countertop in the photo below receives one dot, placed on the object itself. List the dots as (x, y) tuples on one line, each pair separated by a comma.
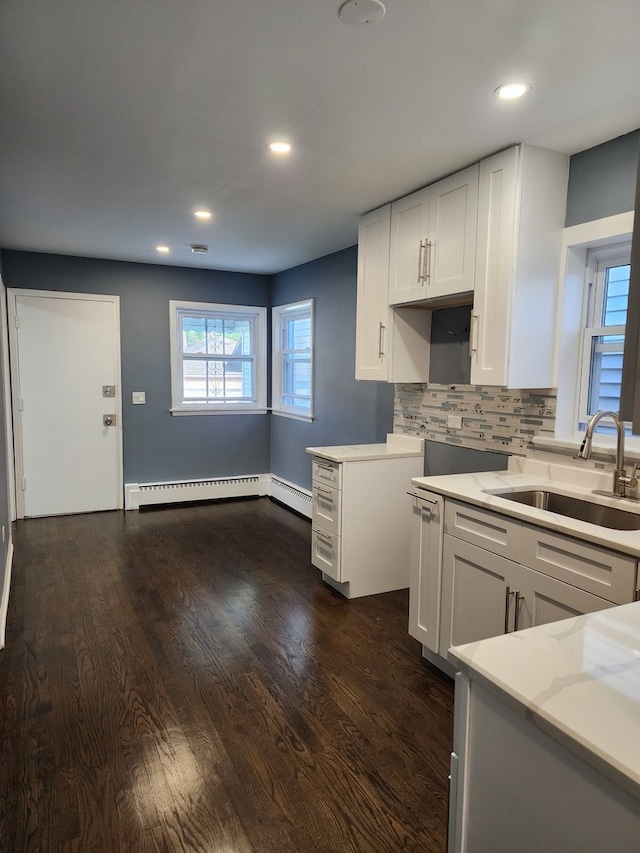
[(525, 473), (397, 446), (578, 680)]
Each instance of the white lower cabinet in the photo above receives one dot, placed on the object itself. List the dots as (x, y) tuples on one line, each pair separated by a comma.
[(484, 595), (426, 568), (515, 788), (360, 536), (477, 574)]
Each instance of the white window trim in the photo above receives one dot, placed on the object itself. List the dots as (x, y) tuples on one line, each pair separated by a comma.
[(257, 406), (577, 240), (277, 406)]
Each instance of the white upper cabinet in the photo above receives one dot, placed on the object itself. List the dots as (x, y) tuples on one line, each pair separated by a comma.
[(521, 209), (391, 345), (433, 238), (372, 318)]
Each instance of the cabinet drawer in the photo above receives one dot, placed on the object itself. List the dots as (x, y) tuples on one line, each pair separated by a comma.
[(491, 531), (594, 569), (325, 552), (325, 508), (324, 471)]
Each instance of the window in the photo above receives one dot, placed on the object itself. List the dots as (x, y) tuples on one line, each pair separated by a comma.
[(218, 355), (607, 294), (292, 389)]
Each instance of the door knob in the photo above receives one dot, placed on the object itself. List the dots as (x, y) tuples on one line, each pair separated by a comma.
[(109, 420)]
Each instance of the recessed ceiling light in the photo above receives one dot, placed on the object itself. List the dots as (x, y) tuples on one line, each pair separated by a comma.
[(279, 147), (361, 12), (162, 249), (202, 214), (512, 91)]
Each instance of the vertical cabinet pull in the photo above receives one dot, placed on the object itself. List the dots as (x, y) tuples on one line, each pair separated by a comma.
[(428, 250), (507, 608), (473, 346), (381, 340), (519, 598), (420, 253)]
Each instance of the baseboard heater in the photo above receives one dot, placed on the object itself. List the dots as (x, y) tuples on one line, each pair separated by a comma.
[(254, 485), (148, 494)]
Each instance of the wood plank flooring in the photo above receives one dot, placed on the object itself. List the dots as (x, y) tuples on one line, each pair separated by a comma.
[(182, 680)]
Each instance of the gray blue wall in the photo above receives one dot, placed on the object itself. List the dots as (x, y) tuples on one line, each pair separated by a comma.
[(157, 445), (345, 411), (602, 180)]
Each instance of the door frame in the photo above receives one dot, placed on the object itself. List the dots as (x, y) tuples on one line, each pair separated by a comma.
[(12, 296)]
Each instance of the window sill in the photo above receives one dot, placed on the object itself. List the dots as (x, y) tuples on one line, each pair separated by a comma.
[(231, 411), (293, 415), (602, 445)]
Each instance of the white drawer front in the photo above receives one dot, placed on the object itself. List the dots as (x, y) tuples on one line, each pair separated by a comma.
[(329, 473), (325, 509), (491, 531), (594, 569), (325, 552)]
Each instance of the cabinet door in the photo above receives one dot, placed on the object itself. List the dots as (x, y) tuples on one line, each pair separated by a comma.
[(408, 252), (497, 223), (540, 599), (451, 250), (372, 317), (426, 569), (475, 593)]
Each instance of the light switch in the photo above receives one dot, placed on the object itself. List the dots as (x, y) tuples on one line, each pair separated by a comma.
[(138, 398)]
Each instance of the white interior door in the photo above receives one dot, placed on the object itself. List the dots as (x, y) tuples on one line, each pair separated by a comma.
[(65, 355)]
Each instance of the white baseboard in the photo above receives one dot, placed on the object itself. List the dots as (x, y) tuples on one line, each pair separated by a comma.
[(253, 485), (4, 604), (290, 495)]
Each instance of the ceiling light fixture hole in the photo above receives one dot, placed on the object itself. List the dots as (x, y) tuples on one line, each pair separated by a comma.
[(361, 12)]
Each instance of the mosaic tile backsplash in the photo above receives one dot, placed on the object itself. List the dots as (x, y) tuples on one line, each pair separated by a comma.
[(492, 418)]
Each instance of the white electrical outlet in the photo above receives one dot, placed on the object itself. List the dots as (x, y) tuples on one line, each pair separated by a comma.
[(454, 421), (138, 398)]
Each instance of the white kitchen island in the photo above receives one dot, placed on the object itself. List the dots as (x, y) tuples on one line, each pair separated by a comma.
[(547, 739)]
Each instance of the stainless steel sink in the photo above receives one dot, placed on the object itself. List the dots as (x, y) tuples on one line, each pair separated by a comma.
[(594, 513)]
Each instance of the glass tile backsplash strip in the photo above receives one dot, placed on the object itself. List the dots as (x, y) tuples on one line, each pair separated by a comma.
[(499, 419)]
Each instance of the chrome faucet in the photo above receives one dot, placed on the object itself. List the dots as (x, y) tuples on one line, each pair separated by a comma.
[(620, 480)]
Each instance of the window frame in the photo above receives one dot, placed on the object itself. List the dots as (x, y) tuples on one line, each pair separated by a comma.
[(571, 319), (599, 259), (279, 314), (257, 316)]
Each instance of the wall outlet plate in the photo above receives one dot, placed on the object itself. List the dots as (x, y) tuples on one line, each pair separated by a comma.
[(138, 398), (454, 421)]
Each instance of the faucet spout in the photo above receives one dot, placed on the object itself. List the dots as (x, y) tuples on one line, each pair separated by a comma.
[(620, 479)]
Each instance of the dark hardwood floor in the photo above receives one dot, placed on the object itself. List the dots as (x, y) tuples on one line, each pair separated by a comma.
[(182, 680)]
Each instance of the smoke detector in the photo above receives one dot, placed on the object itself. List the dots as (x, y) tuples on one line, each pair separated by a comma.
[(362, 12), (199, 250)]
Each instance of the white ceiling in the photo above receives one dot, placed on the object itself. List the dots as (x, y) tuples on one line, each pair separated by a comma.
[(120, 117)]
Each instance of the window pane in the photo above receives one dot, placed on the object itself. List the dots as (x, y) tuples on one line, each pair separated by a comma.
[(296, 380), (193, 379), (230, 379), (606, 374), (616, 295), (193, 334), (298, 333)]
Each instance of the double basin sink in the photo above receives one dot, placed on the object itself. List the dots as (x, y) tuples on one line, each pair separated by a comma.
[(581, 510)]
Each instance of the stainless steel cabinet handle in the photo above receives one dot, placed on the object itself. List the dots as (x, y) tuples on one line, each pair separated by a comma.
[(381, 340), (324, 492), (324, 536), (428, 251), (422, 498), (519, 598), (473, 346), (420, 268), (507, 608)]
